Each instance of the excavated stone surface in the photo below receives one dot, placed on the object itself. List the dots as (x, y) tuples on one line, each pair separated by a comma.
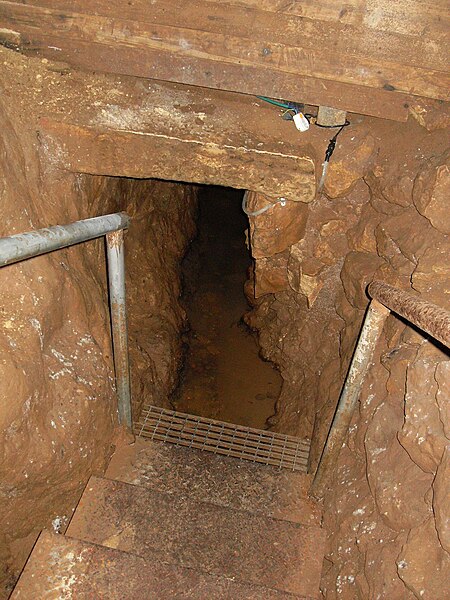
[(288, 221), (431, 192), (355, 154), (299, 329), (163, 224), (63, 567), (58, 413), (423, 564), (384, 215), (270, 274), (441, 494), (222, 541), (207, 477)]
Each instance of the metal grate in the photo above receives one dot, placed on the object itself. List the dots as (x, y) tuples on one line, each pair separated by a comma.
[(256, 445)]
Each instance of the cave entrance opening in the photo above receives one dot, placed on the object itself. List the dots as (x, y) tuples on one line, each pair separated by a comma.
[(224, 376)]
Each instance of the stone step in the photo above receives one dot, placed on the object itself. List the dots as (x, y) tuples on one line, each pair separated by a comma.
[(221, 480), (246, 547), (63, 567)]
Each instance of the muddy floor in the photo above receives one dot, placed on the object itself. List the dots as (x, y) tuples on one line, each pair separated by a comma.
[(224, 377)]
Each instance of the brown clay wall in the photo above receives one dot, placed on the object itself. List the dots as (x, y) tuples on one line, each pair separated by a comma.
[(58, 418), (163, 223), (384, 215)]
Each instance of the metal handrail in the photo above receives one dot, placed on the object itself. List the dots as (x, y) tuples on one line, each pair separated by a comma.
[(34, 243), (428, 317)]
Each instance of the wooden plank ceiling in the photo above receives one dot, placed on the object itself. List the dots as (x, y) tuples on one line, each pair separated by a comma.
[(162, 130), (365, 56)]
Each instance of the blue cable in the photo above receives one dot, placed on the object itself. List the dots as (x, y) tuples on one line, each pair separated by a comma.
[(286, 105)]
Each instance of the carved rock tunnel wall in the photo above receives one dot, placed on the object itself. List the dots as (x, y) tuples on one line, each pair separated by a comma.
[(382, 216)]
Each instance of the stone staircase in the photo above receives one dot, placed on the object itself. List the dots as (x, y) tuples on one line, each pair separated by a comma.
[(170, 522)]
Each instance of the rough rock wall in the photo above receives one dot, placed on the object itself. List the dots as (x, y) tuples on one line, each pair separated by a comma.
[(162, 225), (58, 416), (387, 513), (384, 215)]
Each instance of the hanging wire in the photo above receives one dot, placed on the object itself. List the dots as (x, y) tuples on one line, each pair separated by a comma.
[(262, 210), (329, 151), (294, 107)]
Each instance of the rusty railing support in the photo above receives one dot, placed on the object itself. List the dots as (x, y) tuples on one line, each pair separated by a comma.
[(116, 278), (429, 317), (370, 333)]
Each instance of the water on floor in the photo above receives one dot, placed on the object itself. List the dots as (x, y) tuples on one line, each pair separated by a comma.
[(224, 377)]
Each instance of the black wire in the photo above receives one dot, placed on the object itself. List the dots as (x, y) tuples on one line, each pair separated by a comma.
[(296, 107), (342, 125), (346, 124), (332, 143)]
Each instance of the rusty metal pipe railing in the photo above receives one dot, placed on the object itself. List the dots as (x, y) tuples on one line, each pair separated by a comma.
[(34, 243), (432, 319), (427, 316)]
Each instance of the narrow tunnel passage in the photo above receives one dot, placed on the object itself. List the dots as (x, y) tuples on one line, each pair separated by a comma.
[(224, 377)]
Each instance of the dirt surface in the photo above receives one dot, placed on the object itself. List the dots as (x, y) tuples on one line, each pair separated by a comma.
[(62, 567), (224, 377), (384, 215), (222, 480), (218, 540), (58, 413), (57, 416)]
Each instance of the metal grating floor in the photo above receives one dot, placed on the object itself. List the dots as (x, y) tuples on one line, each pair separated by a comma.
[(256, 445)]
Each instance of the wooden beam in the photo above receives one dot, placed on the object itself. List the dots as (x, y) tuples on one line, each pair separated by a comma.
[(127, 153), (428, 19), (118, 125), (334, 39), (196, 57), (409, 17)]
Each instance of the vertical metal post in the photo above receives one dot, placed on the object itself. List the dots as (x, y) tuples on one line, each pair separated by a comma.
[(116, 273), (362, 357)]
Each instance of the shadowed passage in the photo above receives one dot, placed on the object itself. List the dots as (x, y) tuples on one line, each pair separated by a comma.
[(224, 377)]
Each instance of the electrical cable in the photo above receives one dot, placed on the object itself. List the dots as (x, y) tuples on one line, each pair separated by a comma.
[(262, 210), (297, 108), (328, 152), (274, 102), (286, 104), (341, 126)]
